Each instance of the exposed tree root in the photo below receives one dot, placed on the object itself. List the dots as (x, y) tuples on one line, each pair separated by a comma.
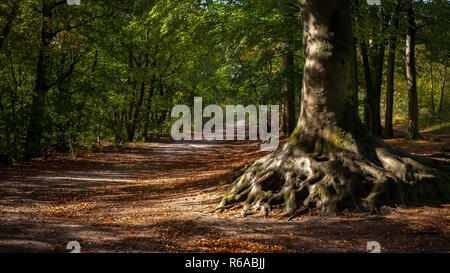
[(338, 180)]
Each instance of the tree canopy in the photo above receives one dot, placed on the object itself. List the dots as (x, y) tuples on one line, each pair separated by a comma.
[(75, 75)]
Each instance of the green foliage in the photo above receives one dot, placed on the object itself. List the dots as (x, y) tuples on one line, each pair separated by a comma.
[(113, 70)]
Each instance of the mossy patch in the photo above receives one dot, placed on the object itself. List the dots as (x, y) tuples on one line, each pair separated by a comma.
[(295, 136), (338, 140)]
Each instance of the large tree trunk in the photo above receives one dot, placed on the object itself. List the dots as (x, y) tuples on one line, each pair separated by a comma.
[(331, 161), (413, 108)]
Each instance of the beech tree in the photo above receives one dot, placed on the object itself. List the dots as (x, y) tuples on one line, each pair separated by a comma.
[(331, 161)]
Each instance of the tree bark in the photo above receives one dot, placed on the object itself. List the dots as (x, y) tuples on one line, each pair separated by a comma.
[(331, 161)]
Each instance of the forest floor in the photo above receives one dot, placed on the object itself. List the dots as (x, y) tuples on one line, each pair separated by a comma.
[(159, 197)]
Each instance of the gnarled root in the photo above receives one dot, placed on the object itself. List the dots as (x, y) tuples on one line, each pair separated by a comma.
[(336, 181)]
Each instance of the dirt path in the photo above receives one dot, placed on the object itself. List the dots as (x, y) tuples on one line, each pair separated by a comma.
[(158, 198)]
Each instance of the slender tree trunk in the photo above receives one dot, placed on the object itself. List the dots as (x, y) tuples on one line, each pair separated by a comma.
[(283, 123), (388, 127), (355, 73), (289, 69), (369, 101), (378, 80), (331, 161), (413, 108), (148, 112), (390, 77), (372, 111), (288, 19), (132, 124), (373, 72), (444, 82), (433, 110)]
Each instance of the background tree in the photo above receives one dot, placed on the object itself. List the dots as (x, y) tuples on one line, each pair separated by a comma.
[(413, 112), (289, 13), (390, 70)]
